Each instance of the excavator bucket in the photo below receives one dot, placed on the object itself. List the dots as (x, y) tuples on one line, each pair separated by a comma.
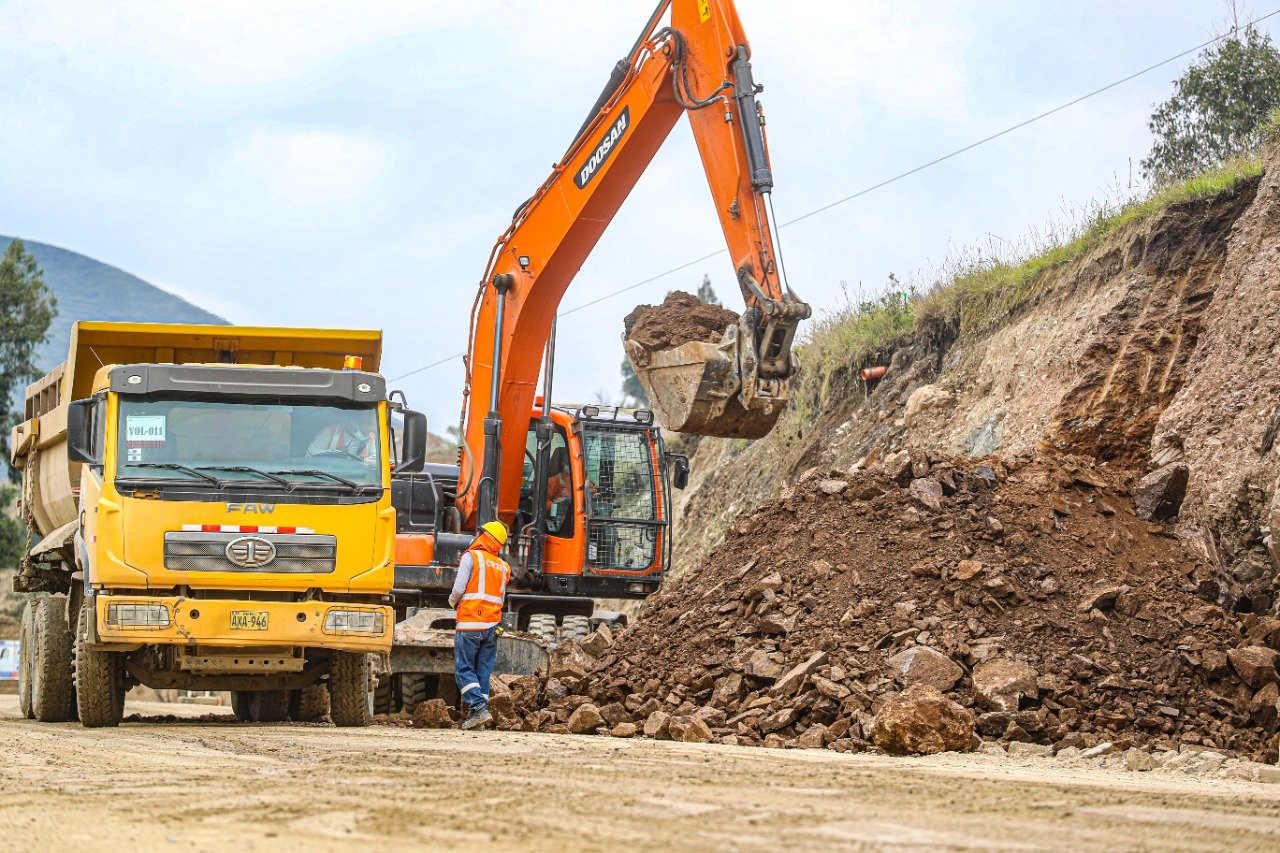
[(696, 388)]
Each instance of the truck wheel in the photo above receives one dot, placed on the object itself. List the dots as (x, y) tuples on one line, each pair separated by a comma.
[(309, 705), (270, 706), (543, 626), (26, 661), (575, 628), (350, 700), (99, 678), (242, 705), (385, 695), (52, 696), (414, 690)]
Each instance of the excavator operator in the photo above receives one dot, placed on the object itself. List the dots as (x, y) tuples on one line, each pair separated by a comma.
[(478, 594)]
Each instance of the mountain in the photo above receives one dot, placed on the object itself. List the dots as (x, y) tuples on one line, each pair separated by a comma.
[(91, 290)]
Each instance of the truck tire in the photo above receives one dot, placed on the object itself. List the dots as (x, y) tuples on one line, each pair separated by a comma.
[(52, 688), (26, 661), (99, 678), (242, 705), (385, 695), (350, 699), (575, 628), (543, 626), (310, 704), (414, 690), (270, 706)]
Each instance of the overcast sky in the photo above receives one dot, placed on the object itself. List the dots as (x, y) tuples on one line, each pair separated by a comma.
[(350, 164)]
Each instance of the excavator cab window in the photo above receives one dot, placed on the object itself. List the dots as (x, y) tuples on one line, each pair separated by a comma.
[(559, 483), (623, 524)]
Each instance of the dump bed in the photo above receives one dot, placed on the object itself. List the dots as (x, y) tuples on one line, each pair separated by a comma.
[(49, 477)]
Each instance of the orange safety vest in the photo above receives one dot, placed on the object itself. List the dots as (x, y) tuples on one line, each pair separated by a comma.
[(480, 606), (559, 487), (337, 441)]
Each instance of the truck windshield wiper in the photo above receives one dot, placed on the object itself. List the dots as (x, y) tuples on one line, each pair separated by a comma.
[(316, 472), (174, 466), (245, 469)]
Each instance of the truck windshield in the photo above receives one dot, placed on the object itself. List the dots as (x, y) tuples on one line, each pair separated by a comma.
[(276, 445)]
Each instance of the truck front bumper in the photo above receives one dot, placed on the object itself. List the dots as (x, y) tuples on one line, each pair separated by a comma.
[(148, 620)]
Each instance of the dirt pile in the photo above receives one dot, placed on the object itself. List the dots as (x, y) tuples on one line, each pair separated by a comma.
[(1025, 589), (680, 318)]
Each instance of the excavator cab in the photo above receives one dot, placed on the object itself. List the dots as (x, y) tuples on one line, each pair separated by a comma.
[(603, 483)]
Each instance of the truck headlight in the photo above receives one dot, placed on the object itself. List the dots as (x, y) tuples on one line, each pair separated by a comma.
[(137, 616), (355, 622)]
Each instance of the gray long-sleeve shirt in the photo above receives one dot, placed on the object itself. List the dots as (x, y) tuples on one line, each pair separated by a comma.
[(465, 566)]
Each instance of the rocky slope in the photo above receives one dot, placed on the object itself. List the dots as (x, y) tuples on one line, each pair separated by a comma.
[(1048, 524), (1156, 348)]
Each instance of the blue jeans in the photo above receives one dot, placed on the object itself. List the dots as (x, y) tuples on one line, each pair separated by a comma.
[(474, 655)]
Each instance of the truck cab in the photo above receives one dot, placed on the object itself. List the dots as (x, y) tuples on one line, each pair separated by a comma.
[(217, 520)]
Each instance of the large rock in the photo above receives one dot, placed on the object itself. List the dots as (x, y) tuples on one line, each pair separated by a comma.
[(1158, 496), (727, 691), (897, 466), (585, 720), (928, 492), (766, 665), (921, 721), (598, 641), (813, 737), (1256, 665), (923, 399), (923, 665), (656, 725), (1001, 683), (689, 729), (503, 708), (794, 678), (432, 714)]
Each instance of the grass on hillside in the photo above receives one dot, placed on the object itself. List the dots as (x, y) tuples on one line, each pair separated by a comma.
[(980, 290)]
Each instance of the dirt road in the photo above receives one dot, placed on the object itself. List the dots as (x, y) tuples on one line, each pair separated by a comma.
[(222, 785)]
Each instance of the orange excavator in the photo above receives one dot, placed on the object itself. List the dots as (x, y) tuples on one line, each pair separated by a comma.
[(587, 489)]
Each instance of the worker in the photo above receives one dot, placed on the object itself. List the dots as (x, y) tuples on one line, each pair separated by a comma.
[(349, 434), (559, 492), (478, 593)]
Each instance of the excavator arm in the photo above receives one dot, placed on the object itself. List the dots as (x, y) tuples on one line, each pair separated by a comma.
[(697, 64)]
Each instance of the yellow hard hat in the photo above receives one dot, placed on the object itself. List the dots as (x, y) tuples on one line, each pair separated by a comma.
[(497, 530)]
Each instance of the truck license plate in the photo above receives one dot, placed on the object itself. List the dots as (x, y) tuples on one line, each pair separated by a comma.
[(248, 620)]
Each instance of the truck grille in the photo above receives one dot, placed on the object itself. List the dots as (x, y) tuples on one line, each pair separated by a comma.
[(209, 552)]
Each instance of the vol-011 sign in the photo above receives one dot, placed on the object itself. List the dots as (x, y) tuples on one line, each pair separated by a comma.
[(608, 143)]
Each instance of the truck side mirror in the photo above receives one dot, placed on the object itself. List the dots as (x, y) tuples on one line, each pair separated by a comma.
[(679, 469), (80, 443), (413, 443)]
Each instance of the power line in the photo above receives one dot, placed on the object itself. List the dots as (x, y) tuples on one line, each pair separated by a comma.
[(934, 162)]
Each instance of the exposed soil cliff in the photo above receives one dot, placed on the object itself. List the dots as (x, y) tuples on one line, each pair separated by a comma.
[(1159, 346)]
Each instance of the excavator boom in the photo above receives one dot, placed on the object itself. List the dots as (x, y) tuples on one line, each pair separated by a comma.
[(697, 64)]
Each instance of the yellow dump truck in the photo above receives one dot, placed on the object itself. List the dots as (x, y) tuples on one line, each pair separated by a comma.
[(210, 509)]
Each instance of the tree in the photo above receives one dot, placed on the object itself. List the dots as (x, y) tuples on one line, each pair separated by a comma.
[(706, 293), (632, 391), (1219, 107), (28, 307), (13, 533)]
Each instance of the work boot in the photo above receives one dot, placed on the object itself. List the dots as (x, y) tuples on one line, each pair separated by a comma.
[(478, 718)]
